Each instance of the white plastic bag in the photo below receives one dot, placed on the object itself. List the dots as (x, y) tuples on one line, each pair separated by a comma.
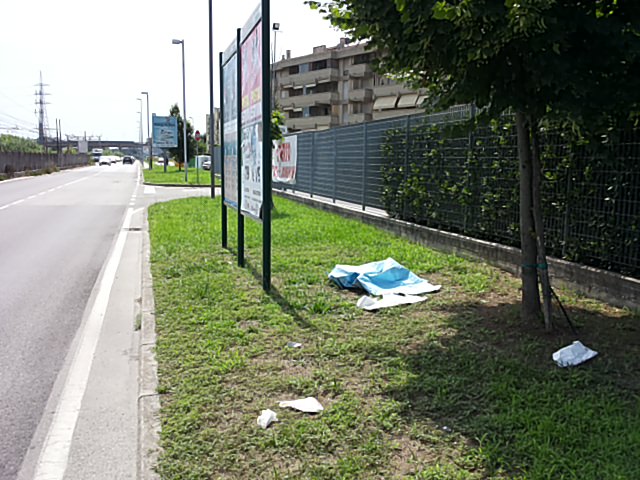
[(573, 355)]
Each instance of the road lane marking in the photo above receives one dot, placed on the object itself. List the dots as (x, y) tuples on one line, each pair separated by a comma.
[(31, 197), (149, 190), (54, 456)]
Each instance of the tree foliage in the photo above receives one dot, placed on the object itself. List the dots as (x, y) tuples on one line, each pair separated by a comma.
[(11, 143), (557, 58)]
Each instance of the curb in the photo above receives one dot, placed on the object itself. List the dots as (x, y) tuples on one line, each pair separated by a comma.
[(176, 185), (148, 396)]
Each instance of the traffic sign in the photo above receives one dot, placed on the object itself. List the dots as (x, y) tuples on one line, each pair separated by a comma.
[(197, 135)]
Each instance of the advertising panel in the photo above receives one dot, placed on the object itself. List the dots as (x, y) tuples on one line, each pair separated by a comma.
[(252, 122), (230, 121), (165, 131), (285, 160)]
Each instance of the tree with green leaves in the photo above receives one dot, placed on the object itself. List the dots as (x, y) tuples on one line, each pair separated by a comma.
[(178, 152), (571, 61)]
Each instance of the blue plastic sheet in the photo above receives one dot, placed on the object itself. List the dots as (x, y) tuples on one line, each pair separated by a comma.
[(381, 278)]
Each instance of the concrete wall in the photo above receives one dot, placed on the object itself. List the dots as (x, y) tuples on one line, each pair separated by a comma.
[(609, 287), (20, 162)]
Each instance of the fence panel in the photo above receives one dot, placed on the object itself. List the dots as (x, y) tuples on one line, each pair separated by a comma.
[(349, 167)]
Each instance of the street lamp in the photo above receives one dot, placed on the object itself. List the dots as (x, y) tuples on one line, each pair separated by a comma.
[(184, 114), (149, 136), (141, 146)]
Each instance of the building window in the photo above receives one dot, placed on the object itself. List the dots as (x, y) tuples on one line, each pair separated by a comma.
[(362, 58), (319, 65), (294, 69)]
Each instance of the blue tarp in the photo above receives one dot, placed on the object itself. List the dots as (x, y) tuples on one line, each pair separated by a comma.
[(381, 278)]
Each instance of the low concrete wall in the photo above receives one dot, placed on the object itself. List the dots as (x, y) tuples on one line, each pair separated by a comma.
[(16, 162), (609, 287)]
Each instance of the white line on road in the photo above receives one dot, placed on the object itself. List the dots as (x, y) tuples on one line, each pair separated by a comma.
[(31, 197), (149, 190), (54, 456)]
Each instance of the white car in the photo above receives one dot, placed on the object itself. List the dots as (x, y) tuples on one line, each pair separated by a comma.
[(105, 160)]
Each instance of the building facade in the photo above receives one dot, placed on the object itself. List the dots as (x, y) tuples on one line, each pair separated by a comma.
[(337, 86)]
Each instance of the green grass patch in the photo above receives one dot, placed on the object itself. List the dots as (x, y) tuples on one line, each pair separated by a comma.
[(452, 388), (173, 176)]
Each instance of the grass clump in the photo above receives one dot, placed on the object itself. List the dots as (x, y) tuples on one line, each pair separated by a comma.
[(173, 176), (452, 388)]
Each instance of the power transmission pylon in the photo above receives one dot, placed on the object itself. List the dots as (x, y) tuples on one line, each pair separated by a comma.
[(43, 121)]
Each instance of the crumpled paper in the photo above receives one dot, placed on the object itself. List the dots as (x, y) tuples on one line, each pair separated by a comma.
[(307, 405), (266, 418), (573, 355)]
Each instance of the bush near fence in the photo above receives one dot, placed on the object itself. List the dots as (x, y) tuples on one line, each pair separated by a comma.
[(420, 169)]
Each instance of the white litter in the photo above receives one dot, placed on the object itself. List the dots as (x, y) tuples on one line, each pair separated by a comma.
[(391, 300), (307, 405), (573, 355), (266, 418), (294, 345)]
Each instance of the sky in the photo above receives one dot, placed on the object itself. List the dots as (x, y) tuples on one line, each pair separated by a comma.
[(96, 58)]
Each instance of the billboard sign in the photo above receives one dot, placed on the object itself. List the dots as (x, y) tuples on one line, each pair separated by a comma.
[(251, 116), (230, 125), (165, 131), (285, 159)]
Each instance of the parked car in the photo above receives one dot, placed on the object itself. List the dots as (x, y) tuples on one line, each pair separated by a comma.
[(127, 159), (206, 165)]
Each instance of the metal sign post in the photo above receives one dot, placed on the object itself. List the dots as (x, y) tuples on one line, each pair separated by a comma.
[(266, 149)]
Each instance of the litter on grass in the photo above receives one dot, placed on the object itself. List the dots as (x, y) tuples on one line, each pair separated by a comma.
[(381, 278), (307, 405), (266, 418), (370, 303), (573, 355), (294, 345)]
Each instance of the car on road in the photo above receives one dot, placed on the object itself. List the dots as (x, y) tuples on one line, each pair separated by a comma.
[(127, 159), (105, 160), (206, 165)]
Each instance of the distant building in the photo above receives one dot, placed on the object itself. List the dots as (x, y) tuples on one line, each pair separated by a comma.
[(337, 86)]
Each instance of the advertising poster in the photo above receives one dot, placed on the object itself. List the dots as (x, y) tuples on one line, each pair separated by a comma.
[(230, 120), (165, 131), (251, 81), (285, 159)]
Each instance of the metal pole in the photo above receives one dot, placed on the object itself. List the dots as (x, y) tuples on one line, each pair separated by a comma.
[(239, 147), (140, 130), (146, 94), (266, 150), (212, 122), (185, 143)]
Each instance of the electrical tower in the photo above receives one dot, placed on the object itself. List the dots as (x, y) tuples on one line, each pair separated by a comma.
[(43, 121)]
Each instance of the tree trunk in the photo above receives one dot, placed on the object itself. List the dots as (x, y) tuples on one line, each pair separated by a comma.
[(530, 308), (543, 270)]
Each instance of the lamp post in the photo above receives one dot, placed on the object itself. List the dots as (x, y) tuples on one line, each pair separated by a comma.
[(141, 145), (148, 135), (185, 143)]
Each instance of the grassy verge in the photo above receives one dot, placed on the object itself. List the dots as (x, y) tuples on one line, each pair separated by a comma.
[(453, 388), (175, 177)]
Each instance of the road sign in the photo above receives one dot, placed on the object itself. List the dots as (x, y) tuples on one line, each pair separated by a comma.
[(197, 135)]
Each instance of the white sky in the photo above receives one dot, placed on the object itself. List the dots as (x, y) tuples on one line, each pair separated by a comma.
[(96, 58)]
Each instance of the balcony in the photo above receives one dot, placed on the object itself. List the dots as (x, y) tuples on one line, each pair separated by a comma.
[(359, 117), (309, 78), (360, 70), (312, 123), (361, 95), (302, 101), (386, 90)]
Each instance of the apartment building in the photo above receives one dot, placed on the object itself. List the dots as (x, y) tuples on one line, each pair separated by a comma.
[(337, 86)]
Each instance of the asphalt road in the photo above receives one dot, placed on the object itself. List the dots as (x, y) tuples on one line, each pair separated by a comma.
[(70, 270)]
